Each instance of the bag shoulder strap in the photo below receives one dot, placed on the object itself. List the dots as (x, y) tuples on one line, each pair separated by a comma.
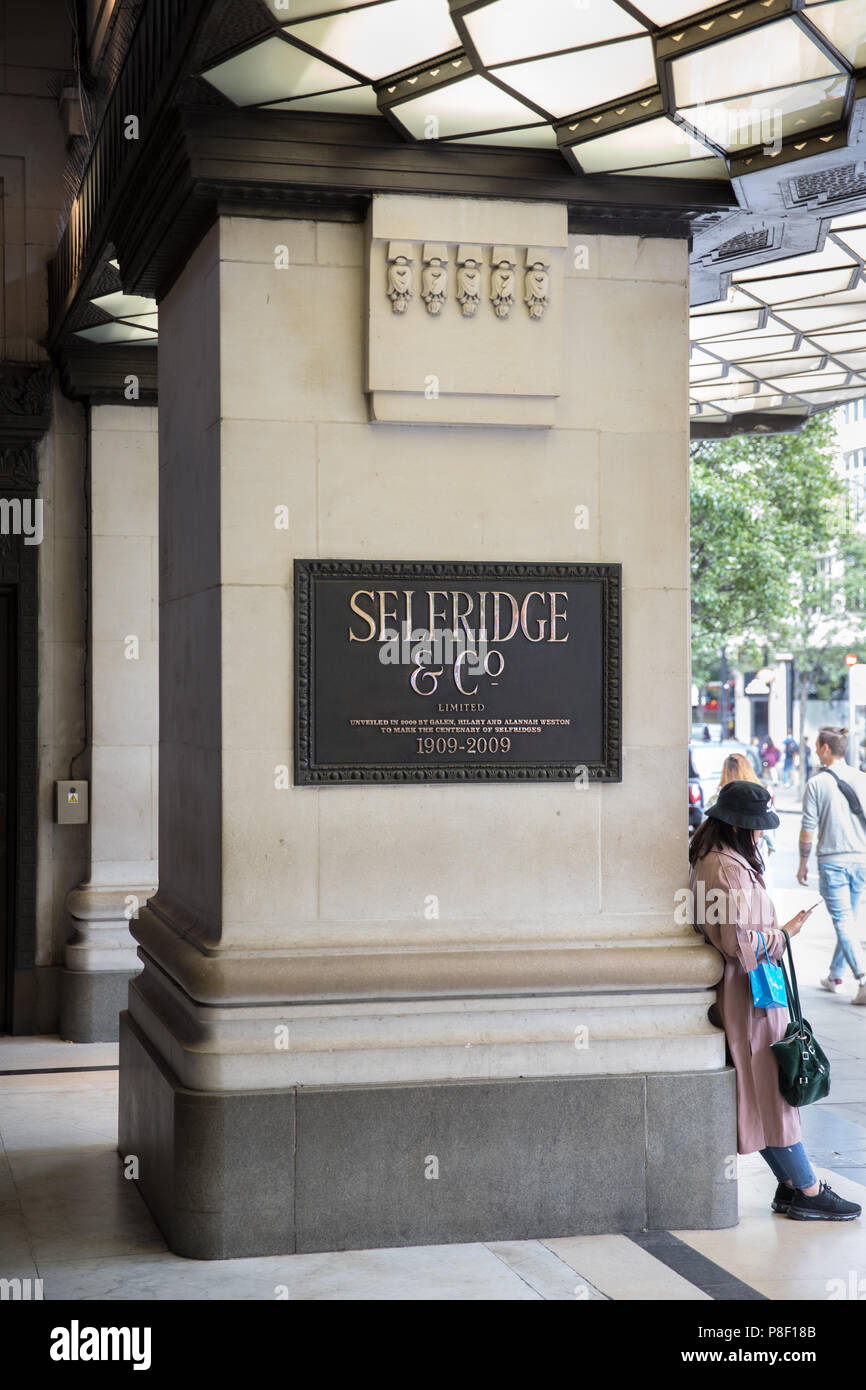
[(791, 989), (848, 792)]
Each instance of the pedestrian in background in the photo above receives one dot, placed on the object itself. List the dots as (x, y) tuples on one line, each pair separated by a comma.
[(833, 807), (737, 768), (790, 748), (769, 759), (725, 858), (807, 758)]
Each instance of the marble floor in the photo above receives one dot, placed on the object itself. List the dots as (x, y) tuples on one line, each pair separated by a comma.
[(69, 1217)]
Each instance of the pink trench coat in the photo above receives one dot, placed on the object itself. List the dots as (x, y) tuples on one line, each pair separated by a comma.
[(764, 1118)]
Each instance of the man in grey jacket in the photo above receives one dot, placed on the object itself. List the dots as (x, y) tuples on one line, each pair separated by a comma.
[(841, 848)]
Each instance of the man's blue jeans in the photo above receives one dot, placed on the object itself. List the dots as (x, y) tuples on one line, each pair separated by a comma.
[(787, 769), (790, 1163), (840, 883)]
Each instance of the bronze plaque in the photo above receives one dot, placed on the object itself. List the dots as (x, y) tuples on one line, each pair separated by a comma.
[(431, 671)]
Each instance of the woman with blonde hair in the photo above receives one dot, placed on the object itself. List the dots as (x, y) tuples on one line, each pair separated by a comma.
[(738, 768)]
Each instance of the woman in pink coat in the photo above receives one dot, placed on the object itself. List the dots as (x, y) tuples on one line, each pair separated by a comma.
[(731, 908)]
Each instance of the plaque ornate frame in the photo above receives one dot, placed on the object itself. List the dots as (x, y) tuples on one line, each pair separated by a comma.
[(307, 773)]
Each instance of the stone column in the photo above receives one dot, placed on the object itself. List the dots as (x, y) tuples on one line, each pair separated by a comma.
[(101, 955), (307, 1042)]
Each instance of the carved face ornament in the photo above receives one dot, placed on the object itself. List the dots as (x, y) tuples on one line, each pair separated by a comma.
[(399, 284), (537, 290), (434, 286), (502, 289), (468, 287)]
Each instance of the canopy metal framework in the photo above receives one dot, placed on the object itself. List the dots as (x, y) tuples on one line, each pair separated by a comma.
[(747, 119)]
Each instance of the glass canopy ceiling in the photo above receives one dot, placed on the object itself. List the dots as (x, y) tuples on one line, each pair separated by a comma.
[(657, 89), (789, 337), (665, 87)]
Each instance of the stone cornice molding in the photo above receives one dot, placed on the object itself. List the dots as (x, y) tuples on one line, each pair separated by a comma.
[(285, 164), (222, 977)]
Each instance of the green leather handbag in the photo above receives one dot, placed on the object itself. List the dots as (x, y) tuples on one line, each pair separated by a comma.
[(804, 1072)]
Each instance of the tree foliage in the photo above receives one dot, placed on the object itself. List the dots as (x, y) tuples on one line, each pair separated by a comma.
[(767, 513)]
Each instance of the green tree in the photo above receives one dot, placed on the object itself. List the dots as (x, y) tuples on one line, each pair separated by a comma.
[(775, 558)]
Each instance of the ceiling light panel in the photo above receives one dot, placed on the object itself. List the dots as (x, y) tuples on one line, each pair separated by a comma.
[(765, 367), (652, 142), (722, 391), (125, 304), (116, 333), (830, 257), (787, 289), (854, 239), (582, 80), (837, 343), (756, 345), (533, 136), (844, 24), (272, 71), (776, 55), (150, 321), (857, 296), (511, 29), (714, 168), (664, 12), (378, 40), (355, 101), (713, 372), (848, 219), (817, 320), (469, 105), (717, 325), (773, 115)]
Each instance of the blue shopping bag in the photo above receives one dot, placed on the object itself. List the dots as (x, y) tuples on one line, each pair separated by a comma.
[(768, 982)]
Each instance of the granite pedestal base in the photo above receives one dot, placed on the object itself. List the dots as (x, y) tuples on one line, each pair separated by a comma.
[(91, 1002), (232, 1174)]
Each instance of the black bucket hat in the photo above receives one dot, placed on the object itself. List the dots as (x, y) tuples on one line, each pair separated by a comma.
[(746, 804)]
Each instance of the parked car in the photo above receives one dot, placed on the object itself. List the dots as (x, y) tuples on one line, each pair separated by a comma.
[(705, 771), (696, 797)]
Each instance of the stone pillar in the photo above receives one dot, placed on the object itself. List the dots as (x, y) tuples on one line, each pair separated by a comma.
[(310, 1060), (101, 955)]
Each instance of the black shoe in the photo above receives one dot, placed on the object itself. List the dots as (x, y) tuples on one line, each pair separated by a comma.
[(783, 1198), (826, 1205)]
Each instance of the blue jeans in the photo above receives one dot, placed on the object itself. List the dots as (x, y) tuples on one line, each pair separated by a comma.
[(787, 769), (790, 1163), (840, 885)]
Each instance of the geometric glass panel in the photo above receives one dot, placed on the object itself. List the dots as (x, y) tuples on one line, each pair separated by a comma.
[(273, 71), (115, 333), (535, 136), (652, 142), (844, 24), (380, 39), (461, 108), (512, 29), (356, 101), (581, 80), (776, 55), (740, 123), (712, 168)]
